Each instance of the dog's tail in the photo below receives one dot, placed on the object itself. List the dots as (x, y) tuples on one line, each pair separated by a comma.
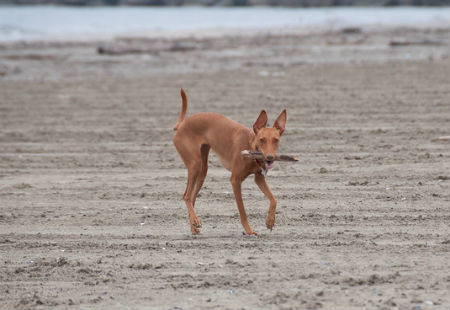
[(183, 110)]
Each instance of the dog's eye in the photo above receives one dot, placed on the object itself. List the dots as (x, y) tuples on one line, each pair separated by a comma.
[(275, 140), (262, 140)]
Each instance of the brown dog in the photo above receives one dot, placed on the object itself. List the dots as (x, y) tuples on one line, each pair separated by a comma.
[(199, 133)]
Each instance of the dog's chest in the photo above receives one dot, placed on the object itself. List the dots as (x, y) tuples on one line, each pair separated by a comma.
[(226, 163)]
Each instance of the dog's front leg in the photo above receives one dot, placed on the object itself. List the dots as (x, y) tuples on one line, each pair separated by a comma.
[(260, 180), (236, 183)]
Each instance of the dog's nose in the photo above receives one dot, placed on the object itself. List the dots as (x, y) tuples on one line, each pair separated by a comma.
[(270, 157)]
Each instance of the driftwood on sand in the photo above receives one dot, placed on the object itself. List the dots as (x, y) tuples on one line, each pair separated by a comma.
[(442, 138), (414, 42), (146, 47)]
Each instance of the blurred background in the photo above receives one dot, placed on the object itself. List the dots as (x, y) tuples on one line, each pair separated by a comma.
[(86, 19), (290, 3), (91, 215)]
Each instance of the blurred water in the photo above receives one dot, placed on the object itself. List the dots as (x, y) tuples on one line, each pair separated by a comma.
[(55, 22)]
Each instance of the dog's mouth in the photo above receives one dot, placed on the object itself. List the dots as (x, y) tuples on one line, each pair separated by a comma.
[(269, 164)]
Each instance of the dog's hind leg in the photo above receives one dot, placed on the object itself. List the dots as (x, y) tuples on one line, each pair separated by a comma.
[(192, 159), (204, 150)]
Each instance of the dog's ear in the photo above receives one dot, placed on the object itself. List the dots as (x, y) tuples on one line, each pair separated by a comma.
[(261, 122), (280, 123)]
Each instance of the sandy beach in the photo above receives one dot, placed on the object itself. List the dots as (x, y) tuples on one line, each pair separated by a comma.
[(91, 215)]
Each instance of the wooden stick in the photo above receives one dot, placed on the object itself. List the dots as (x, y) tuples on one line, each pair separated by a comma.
[(443, 138), (259, 155)]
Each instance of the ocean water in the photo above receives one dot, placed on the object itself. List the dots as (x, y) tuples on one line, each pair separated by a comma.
[(57, 22)]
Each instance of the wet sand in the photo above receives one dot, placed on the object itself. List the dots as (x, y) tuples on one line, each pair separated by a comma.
[(91, 212)]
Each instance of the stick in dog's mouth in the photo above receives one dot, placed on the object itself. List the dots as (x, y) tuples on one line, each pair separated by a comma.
[(269, 163)]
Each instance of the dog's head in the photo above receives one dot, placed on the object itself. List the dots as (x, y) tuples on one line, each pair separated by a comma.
[(267, 139)]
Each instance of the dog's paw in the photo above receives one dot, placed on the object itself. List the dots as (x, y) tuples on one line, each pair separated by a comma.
[(270, 222), (196, 224), (195, 230), (250, 233)]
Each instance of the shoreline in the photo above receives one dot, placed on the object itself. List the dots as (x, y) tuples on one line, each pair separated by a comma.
[(213, 21), (215, 33)]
